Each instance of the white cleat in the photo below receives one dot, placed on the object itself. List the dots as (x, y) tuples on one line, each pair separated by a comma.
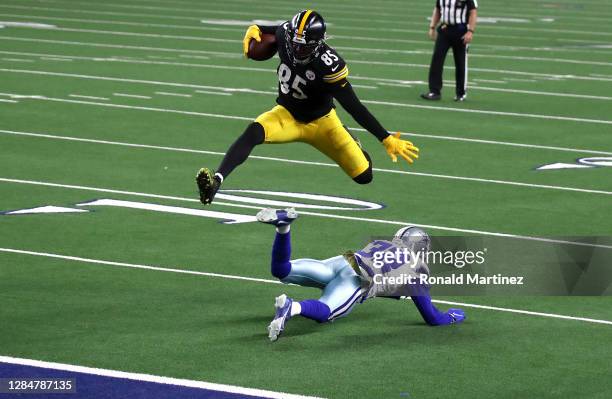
[(277, 217), (282, 305)]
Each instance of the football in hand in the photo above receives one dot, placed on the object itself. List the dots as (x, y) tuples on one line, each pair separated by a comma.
[(263, 50)]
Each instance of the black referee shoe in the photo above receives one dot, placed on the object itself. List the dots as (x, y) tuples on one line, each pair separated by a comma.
[(431, 96), (460, 98)]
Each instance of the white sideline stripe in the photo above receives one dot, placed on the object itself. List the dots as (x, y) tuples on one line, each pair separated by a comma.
[(164, 93), (131, 96), (17, 59), (409, 134), (352, 28), (219, 93), (88, 97), (488, 112), (106, 45), (526, 312), (540, 93), (66, 59), (276, 8), (8, 101), (136, 266), (286, 160), (452, 109), (153, 378), (257, 69), (232, 13), (361, 50), (493, 142), (261, 280), (507, 143), (325, 215)]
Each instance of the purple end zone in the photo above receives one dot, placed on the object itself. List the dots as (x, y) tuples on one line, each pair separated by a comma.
[(97, 387)]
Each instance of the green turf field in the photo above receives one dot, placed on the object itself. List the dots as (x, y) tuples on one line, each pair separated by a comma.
[(126, 100)]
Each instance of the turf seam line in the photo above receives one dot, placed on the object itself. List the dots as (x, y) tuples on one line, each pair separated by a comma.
[(260, 280)]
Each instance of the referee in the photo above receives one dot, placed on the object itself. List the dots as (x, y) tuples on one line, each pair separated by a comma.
[(457, 20)]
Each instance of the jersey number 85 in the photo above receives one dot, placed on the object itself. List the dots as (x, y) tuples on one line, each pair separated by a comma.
[(287, 85)]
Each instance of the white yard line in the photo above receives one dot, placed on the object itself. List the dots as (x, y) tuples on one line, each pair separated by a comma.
[(219, 93), (17, 60), (323, 215), (473, 179), (88, 97), (380, 81), (56, 59), (431, 136), (268, 281), (131, 96), (387, 103), (164, 93), (490, 81), (8, 101), (154, 379)]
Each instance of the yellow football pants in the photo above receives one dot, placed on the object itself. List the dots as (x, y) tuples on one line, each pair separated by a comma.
[(326, 134)]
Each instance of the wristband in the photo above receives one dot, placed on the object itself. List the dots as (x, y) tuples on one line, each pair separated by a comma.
[(471, 30), (432, 27)]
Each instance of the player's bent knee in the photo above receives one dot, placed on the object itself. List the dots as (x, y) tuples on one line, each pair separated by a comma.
[(256, 133), (365, 177), (280, 270)]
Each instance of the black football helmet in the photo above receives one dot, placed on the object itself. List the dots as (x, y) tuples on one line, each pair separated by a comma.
[(305, 35)]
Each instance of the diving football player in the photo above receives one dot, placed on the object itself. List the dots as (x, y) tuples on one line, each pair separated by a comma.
[(347, 279), (311, 75)]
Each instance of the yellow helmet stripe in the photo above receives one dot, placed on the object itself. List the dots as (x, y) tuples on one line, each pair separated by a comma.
[(303, 22)]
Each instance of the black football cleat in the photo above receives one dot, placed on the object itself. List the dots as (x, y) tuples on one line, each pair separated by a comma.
[(431, 96), (208, 184)]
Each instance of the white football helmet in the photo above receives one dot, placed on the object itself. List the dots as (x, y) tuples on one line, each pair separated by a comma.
[(414, 238)]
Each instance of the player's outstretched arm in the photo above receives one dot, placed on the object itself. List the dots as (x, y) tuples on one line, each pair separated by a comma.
[(435, 317), (394, 146)]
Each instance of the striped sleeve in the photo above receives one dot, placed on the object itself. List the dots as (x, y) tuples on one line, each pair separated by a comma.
[(337, 76), (472, 4)]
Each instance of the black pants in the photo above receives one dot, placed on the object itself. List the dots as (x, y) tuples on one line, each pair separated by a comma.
[(449, 37)]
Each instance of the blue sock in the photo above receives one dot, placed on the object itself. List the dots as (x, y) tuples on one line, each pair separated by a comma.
[(281, 253), (315, 310), (430, 313)]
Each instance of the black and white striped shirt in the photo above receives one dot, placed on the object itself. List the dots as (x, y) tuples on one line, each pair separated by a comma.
[(455, 12)]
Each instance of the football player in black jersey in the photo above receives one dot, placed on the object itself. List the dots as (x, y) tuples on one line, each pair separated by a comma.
[(310, 75)]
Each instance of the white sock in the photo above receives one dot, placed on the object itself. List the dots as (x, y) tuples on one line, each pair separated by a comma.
[(284, 229), (296, 308), (220, 176)]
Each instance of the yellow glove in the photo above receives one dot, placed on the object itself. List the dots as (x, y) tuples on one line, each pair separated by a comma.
[(396, 146), (252, 33)]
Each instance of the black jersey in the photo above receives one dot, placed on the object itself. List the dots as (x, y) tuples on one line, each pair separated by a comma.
[(306, 89)]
